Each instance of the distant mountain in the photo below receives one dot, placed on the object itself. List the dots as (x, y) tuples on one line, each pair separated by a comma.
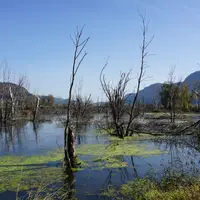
[(4, 92), (16, 89), (150, 93), (57, 100), (192, 80), (60, 101)]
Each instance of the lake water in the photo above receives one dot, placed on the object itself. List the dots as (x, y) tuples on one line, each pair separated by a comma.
[(27, 139)]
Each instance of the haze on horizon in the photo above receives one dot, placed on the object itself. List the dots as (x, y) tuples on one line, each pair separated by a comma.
[(35, 40)]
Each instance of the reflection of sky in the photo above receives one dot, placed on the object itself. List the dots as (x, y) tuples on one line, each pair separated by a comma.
[(43, 138)]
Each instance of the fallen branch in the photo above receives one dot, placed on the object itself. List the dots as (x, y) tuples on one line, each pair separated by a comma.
[(188, 127), (144, 132)]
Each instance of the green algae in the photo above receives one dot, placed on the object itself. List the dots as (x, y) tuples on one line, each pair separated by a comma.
[(22, 173), (29, 178), (135, 137), (11, 163), (108, 163), (111, 155), (26, 172), (117, 149)]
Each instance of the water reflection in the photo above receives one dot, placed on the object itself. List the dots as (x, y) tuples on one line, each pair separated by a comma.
[(36, 127), (29, 138), (11, 137), (69, 186), (183, 152)]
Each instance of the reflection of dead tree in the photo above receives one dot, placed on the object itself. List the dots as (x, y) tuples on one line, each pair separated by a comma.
[(108, 180), (69, 186), (117, 95), (134, 168), (36, 126), (68, 132)]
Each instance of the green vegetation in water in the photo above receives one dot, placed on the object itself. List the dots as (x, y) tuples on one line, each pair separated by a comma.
[(135, 137), (166, 189), (27, 178), (10, 163), (26, 172), (103, 132), (112, 155)]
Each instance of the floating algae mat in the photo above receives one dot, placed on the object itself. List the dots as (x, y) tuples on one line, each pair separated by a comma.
[(23, 173), (112, 155)]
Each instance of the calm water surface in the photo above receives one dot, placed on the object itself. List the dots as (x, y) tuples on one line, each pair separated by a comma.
[(28, 139)]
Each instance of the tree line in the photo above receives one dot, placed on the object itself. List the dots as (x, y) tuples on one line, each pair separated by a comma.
[(176, 97)]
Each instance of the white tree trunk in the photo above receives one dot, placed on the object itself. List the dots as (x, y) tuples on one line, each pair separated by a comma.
[(12, 102), (36, 108)]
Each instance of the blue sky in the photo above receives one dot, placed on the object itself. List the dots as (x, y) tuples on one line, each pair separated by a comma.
[(35, 40)]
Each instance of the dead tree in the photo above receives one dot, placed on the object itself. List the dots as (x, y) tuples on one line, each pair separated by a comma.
[(196, 94), (117, 95), (116, 99), (81, 108), (18, 95), (173, 96), (36, 107), (79, 56), (13, 94)]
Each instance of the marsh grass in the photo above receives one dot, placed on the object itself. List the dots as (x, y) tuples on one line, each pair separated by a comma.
[(173, 185), (145, 189)]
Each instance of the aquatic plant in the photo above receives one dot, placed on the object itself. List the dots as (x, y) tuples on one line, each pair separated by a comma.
[(186, 188), (111, 155), (23, 172)]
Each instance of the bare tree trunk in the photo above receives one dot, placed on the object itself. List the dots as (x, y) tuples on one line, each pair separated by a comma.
[(12, 103), (117, 95), (2, 110), (35, 112), (144, 54), (71, 146), (174, 97), (12, 94), (77, 60)]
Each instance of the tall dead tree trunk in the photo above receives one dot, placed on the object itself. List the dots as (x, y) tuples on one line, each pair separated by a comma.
[(78, 58), (117, 96), (144, 55), (12, 103)]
